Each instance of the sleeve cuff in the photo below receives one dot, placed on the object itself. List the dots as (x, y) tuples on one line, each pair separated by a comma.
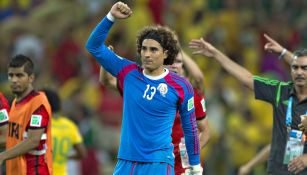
[(110, 17), (196, 167), (194, 159)]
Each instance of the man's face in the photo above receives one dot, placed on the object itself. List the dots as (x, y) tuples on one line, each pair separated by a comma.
[(299, 71), (152, 54), (177, 66), (19, 80)]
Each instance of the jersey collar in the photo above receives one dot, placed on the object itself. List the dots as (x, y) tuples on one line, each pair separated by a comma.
[(166, 71)]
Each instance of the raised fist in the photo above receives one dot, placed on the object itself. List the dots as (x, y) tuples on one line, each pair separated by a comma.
[(120, 10)]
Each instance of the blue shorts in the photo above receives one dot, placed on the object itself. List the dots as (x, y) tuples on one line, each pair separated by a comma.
[(126, 167)]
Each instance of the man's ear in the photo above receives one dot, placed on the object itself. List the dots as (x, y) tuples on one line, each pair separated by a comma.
[(31, 78), (165, 54)]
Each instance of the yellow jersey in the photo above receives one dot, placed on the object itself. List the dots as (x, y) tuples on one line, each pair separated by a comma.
[(65, 134)]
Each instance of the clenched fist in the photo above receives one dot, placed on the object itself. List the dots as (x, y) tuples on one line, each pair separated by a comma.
[(120, 10)]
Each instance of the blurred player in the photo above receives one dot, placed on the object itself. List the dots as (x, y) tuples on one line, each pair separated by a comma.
[(4, 117), (66, 139), (28, 143)]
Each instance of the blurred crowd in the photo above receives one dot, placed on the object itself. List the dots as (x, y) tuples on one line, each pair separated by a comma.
[(53, 33)]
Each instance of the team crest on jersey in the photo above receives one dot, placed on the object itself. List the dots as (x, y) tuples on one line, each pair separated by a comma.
[(36, 120), (162, 88)]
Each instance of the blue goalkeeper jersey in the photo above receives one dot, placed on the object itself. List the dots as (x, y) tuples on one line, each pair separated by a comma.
[(149, 105)]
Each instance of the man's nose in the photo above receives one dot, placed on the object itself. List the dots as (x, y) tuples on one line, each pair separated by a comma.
[(13, 78), (146, 53)]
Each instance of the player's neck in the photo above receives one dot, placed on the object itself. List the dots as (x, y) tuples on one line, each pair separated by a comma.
[(24, 94), (155, 72)]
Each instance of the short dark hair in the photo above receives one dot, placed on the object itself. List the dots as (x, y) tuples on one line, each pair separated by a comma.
[(166, 39), (54, 99), (21, 60), (300, 52)]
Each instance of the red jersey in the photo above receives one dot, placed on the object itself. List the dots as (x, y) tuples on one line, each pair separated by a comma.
[(177, 134), (35, 160), (4, 110)]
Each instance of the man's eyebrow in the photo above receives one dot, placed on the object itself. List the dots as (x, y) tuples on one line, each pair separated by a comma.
[(149, 46), (297, 65)]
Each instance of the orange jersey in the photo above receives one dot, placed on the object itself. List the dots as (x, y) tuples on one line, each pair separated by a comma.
[(20, 116)]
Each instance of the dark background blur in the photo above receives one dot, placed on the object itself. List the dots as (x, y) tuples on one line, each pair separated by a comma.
[(54, 32)]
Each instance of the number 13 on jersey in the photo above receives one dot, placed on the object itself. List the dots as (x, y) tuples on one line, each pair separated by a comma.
[(149, 92)]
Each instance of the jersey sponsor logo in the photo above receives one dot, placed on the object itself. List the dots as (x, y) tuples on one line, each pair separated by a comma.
[(3, 116), (190, 103), (36, 120), (162, 88), (14, 130), (203, 104)]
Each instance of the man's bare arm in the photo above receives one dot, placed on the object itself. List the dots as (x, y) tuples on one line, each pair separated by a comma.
[(193, 69), (261, 157), (204, 48), (28, 144), (204, 132), (80, 151), (274, 46), (3, 130)]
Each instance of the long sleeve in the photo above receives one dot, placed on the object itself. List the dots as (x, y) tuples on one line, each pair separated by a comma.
[(96, 46), (189, 125)]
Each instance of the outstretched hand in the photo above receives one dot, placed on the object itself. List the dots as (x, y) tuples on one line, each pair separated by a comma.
[(120, 10), (298, 164), (200, 46), (272, 45)]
